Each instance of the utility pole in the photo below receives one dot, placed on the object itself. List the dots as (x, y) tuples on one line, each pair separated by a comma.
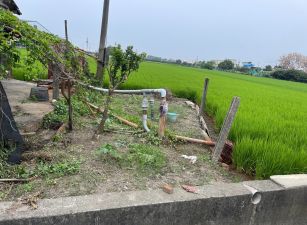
[(87, 49), (66, 30), (102, 45)]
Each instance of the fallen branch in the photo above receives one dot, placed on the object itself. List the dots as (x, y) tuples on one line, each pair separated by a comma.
[(61, 129), (90, 108), (205, 135), (197, 141), (127, 122), (16, 180), (45, 86), (120, 132), (44, 82), (28, 134), (202, 121)]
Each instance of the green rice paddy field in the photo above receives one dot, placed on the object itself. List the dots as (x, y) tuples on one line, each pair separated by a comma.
[(270, 129)]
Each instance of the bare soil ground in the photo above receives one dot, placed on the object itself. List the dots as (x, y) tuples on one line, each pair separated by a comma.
[(96, 174)]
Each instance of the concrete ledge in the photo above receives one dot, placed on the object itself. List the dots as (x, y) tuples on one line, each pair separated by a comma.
[(221, 204), (290, 181)]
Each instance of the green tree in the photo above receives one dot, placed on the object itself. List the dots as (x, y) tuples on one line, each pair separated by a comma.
[(226, 65), (292, 75), (121, 65), (268, 68), (207, 65)]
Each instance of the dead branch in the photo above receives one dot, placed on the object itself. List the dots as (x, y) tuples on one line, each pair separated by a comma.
[(61, 129), (28, 134), (13, 180)]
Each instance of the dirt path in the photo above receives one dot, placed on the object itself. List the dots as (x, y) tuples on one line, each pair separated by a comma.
[(27, 114)]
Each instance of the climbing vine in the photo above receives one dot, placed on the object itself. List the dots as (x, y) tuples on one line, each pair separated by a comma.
[(40, 46)]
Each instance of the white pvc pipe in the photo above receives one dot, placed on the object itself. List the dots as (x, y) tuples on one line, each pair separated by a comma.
[(145, 107), (160, 91), (145, 123)]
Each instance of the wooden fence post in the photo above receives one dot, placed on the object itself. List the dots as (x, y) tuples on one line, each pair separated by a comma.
[(204, 97), (226, 128), (162, 120), (56, 81)]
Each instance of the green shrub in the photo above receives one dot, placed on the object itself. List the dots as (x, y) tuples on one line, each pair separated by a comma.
[(291, 75), (108, 151)]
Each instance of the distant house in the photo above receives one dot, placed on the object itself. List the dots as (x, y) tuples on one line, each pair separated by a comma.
[(248, 65), (10, 5)]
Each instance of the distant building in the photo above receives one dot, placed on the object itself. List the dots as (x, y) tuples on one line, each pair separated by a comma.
[(248, 65), (10, 5), (216, 62), (153, 58)]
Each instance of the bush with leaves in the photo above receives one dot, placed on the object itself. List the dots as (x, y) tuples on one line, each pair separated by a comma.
[(121, 65), (40, 46)]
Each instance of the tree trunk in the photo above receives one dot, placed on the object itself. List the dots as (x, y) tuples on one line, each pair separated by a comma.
[(69, 106), (56, 81), (105, 112)]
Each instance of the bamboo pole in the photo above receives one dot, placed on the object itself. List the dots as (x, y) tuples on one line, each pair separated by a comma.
[(162, 120), (193, 140), (127, 122)]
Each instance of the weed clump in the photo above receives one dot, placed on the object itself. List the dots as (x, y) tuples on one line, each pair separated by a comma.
[(146, 157), (142, 157), (108, 151)]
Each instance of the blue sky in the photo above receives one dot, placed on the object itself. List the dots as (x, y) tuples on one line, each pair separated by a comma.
[(256, 30)]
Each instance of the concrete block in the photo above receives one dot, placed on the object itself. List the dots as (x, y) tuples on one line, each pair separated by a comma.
[(290, 181)]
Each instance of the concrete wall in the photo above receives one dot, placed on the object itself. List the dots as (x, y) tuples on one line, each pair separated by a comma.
[(213, 205)]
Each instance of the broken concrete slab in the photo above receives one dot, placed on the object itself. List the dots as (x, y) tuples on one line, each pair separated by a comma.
[(290, 181)]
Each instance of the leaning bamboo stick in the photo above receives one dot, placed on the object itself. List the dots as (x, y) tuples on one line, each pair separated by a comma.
[(205, 135), (202, 121), (127, 122), (197, 141), (61, 129), (203, 124), (90, 108)]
